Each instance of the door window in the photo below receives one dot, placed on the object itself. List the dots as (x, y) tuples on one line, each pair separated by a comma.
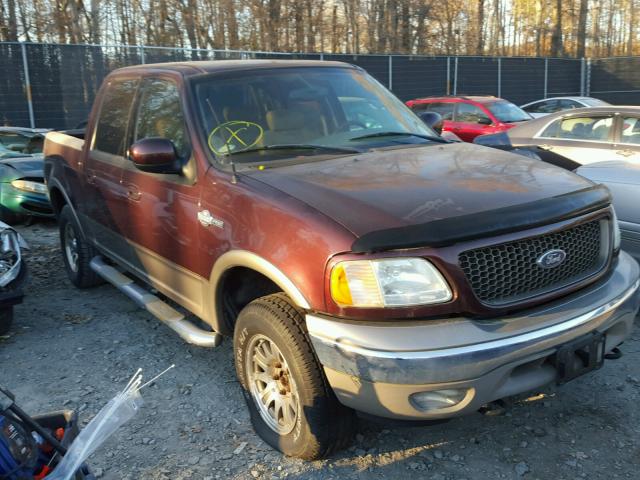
[(469, 113), (445, 109), (160, 115), (580, 128), (547, 106), (566, 104), (630, 130), (112, 124)]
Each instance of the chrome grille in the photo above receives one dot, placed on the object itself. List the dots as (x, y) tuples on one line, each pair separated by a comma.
[(509, 272)]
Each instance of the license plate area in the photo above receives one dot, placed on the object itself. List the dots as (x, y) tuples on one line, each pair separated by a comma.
[(579, 356)]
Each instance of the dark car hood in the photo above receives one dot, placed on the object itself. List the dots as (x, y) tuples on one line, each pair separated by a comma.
[(31, 167), (409, 186)]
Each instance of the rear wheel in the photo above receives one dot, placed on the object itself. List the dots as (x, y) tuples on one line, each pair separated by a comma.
[(291, 405), (76, 252)]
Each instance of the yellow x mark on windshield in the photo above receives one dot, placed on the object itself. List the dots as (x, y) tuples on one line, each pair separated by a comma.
[(234, 134)]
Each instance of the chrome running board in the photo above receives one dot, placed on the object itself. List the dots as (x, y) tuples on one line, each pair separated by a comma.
[(155, 306)]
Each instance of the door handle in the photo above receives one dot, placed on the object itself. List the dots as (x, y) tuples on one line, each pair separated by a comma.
[(625, 153), (91, 179), (133, 194)]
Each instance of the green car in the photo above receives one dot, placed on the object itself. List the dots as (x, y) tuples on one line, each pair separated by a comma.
[(23, 193)]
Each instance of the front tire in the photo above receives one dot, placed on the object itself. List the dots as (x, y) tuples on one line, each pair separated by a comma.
[(292, 407), (76, 252)]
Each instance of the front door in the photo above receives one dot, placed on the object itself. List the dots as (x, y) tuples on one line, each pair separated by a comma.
[(105, 197), (162, 209)]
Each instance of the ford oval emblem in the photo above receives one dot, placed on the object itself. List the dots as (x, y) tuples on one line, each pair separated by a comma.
[(551, 258)]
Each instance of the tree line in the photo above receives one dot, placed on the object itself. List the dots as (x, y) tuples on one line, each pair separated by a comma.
[(559, 28)]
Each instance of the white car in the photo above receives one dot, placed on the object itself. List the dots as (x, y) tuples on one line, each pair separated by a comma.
[(623, 180), (577, 137), (540, 108)]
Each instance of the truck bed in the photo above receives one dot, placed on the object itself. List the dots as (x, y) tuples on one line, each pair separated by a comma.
[(65, 145)]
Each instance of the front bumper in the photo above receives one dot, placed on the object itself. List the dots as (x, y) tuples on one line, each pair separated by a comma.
[(25, 203), (376, 367)]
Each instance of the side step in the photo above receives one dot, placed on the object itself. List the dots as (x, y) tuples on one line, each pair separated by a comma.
[(156, 307)]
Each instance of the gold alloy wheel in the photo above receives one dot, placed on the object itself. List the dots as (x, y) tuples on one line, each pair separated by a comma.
[(271, 385)]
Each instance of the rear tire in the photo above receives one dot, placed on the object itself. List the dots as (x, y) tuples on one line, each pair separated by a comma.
[(76, 252), (6, 319), (291, 405)]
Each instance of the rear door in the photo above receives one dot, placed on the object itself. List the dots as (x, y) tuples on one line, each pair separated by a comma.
[(469, 121), (162, 209), (105, 195), (583, 139)]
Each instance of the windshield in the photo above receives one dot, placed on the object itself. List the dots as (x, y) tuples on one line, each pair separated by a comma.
[(507, 112), (297, 113), (20, 144), (594, 102)]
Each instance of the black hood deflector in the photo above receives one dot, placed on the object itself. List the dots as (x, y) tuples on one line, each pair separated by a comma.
[(447, 231)]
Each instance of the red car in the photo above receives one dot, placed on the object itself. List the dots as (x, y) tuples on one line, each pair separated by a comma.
[(469, 117)]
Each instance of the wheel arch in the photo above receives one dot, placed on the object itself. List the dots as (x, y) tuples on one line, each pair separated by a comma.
[(237, 262), (59, 198)]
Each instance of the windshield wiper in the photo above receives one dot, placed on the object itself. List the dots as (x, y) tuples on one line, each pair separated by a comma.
[(301, 146), (400, 134)]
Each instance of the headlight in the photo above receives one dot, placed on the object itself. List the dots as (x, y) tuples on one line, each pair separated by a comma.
[(397, 282), (616, 230), (29, 186)]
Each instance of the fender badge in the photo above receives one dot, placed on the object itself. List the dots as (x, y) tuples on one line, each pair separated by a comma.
[(207, 220)]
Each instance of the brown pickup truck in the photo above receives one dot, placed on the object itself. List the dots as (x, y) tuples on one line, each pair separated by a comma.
[(359, 261)]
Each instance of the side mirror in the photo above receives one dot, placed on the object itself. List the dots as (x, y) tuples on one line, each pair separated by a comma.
[(433, 120), (155, 155), (484, 121)]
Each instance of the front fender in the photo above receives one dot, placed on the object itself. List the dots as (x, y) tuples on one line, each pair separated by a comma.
[(247, 259)]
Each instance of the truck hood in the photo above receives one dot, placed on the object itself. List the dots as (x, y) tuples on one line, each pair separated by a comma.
[(393, 188)]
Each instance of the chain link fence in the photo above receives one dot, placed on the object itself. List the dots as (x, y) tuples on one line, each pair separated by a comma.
[(616, 80), (53, 85)]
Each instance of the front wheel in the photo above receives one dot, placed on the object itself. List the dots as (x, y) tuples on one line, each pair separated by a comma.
[(291, 406)]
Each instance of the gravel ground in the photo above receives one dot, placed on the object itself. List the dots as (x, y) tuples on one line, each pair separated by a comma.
[(76, 348)]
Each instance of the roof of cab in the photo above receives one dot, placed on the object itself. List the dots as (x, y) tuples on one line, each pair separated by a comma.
[(213, 66)]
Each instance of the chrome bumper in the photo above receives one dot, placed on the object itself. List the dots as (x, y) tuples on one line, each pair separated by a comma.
[(468, 352)]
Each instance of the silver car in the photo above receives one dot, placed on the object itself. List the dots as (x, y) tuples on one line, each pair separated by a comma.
[(579, 137), (543, 107), (623, 180)]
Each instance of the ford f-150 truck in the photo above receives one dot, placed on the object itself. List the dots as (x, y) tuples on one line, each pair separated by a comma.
[(359, 261)]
